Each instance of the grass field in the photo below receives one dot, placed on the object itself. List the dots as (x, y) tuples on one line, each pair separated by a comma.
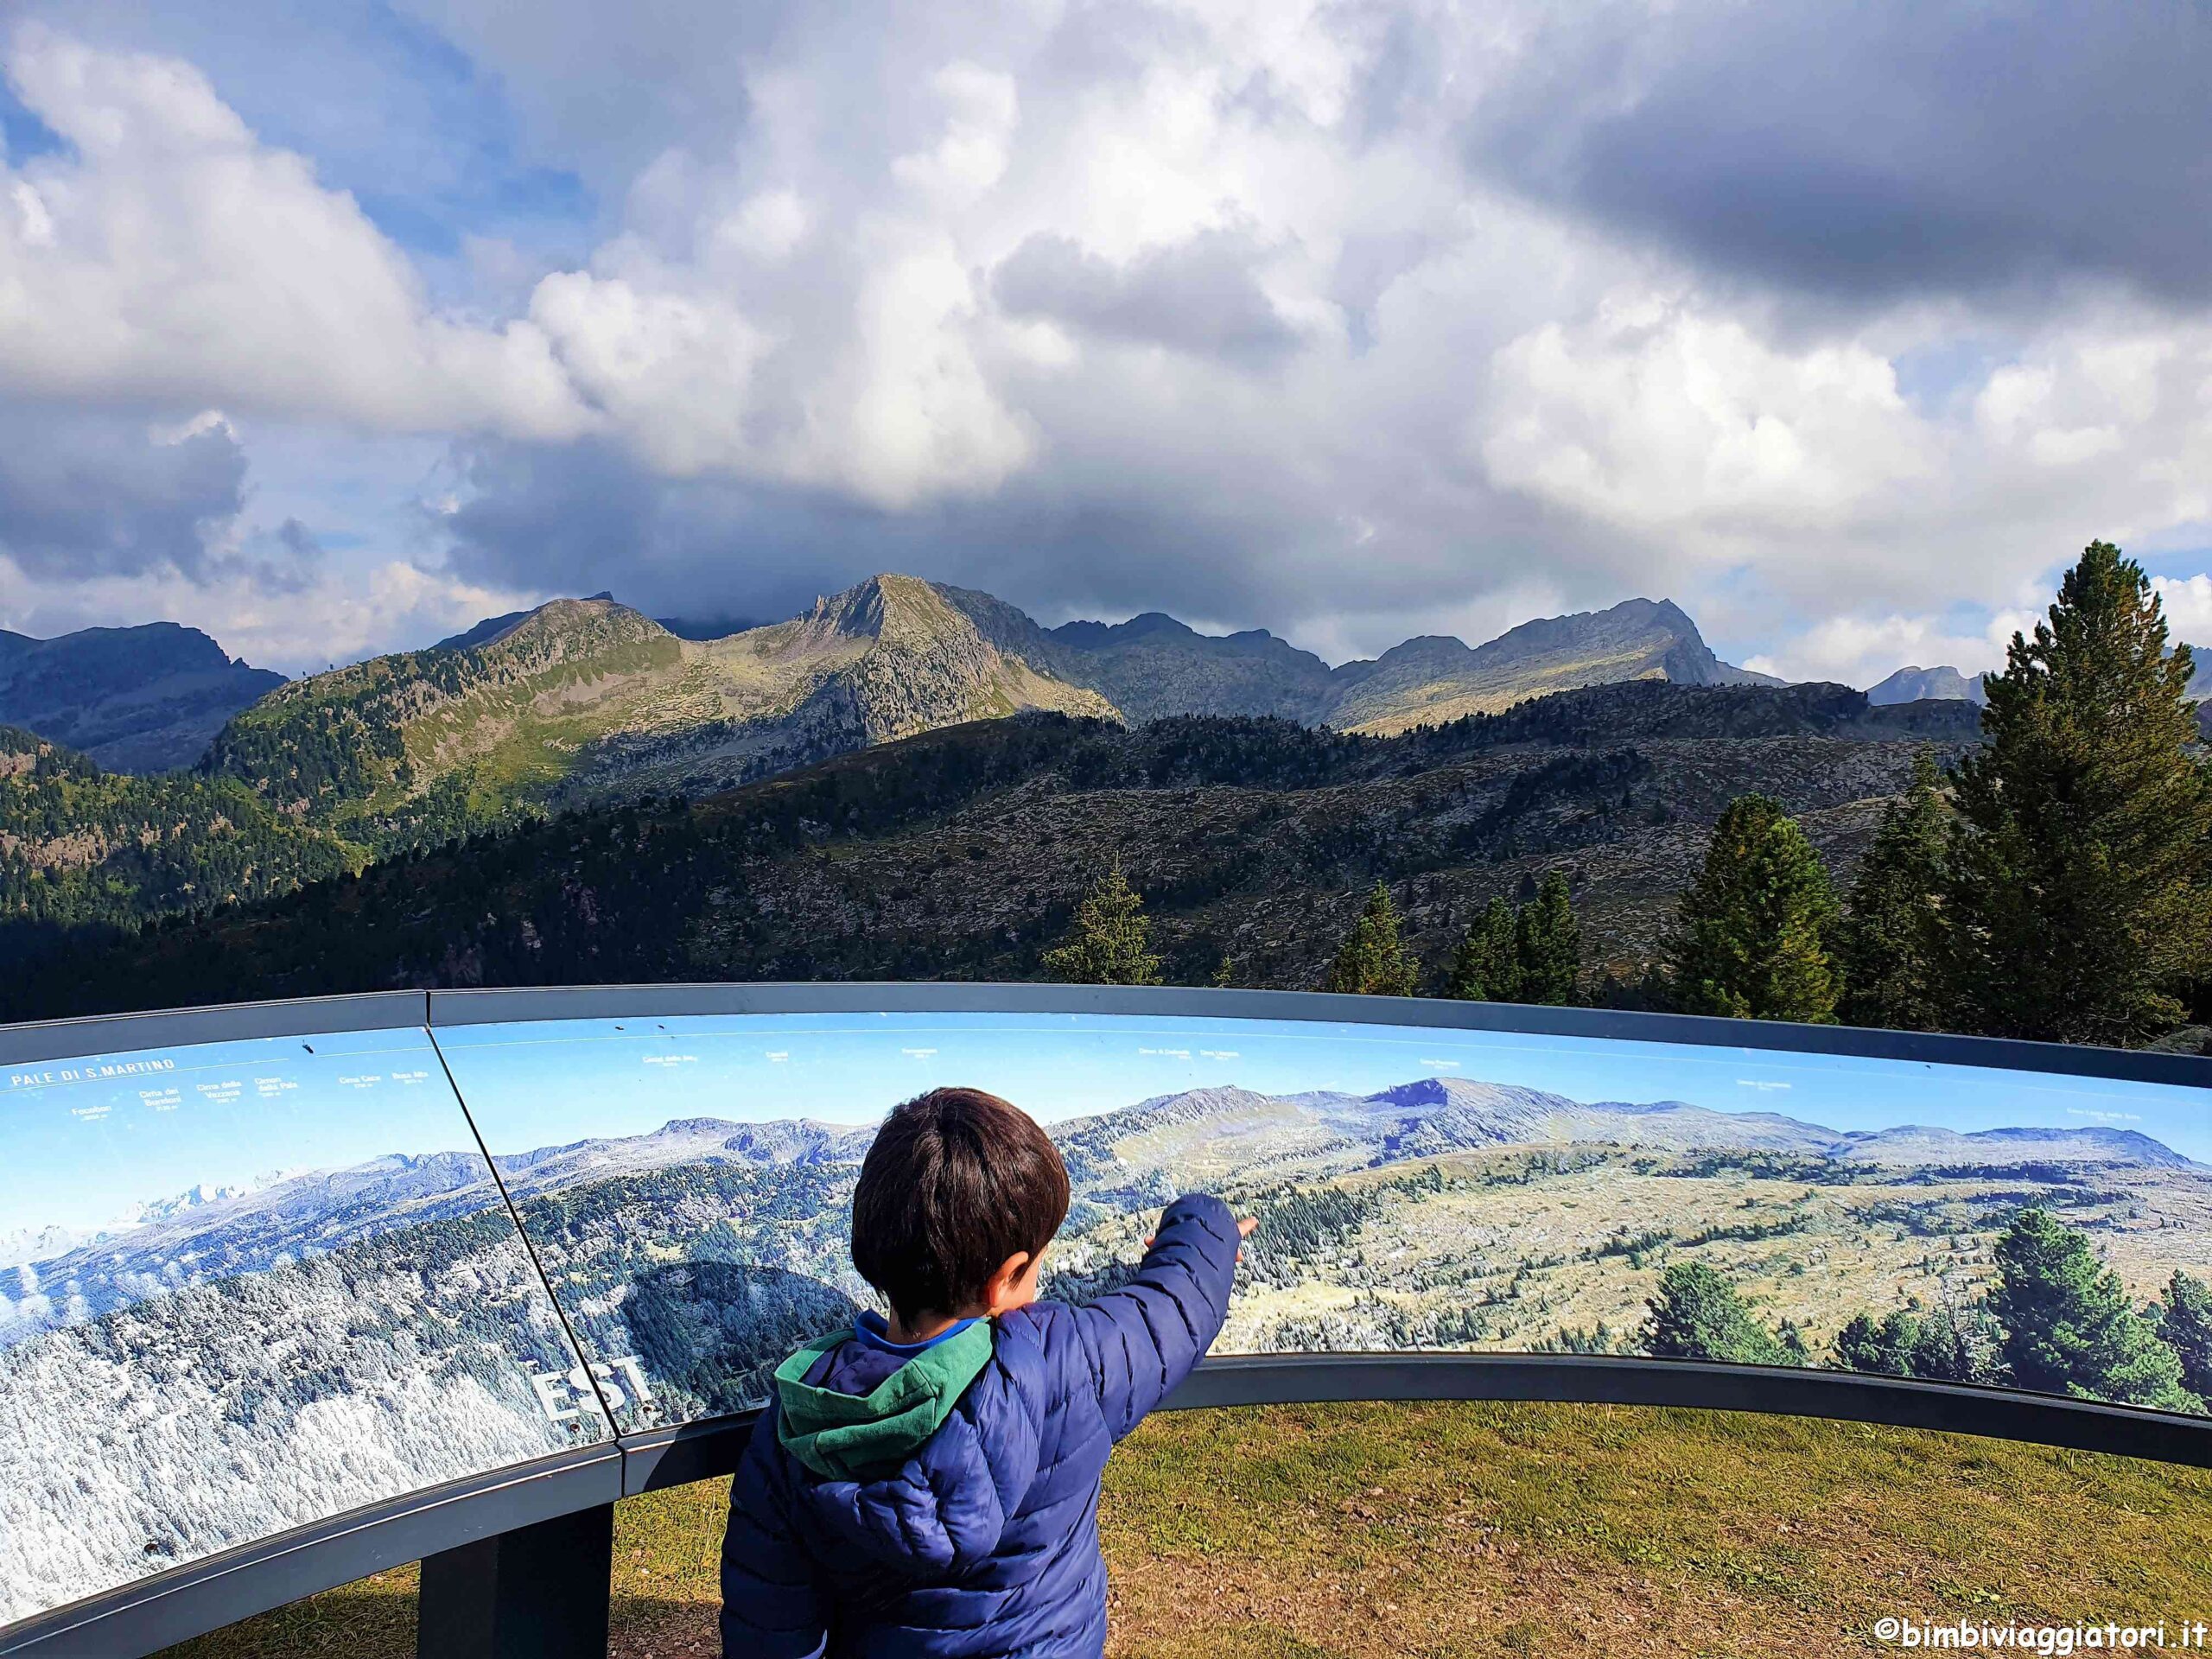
[(1326, 1532)]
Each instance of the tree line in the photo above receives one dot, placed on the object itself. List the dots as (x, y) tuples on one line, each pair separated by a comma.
[(2054, 884), (2057, 1320)]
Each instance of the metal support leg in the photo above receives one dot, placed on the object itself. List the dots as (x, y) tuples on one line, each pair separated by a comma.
[(538, 1592)]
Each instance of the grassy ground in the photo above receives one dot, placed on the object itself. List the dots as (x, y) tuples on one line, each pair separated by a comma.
[(1328, 1532)]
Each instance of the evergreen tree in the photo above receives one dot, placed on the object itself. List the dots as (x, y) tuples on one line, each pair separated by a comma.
[(2185, 1324), (1111, 943), (2076, 900), (1751, 938), (1549, 943), (1487, 966), (2068, 1325), (1878, 1350), (1886, 948), (1224, 974), (1531, 954), (1696, 1314), (1375, 961)]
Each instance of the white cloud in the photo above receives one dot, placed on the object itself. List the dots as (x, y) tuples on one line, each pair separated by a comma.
[(1216, 308), (1654, 415), (672, 368), (971, 155), (172, 256), (2188, 604), (767, 227), (910, 413), (338, 616), (1851, 651)]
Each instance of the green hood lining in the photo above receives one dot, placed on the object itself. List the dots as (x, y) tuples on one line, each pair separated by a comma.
[(856, 1436)]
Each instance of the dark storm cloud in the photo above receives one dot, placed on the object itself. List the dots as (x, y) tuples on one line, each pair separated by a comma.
[(1198, 296), (576, 520), (1880, 150), (85, 494)]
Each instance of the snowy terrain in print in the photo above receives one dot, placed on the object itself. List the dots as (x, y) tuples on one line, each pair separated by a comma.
[(229, 1307), (686, 1182)]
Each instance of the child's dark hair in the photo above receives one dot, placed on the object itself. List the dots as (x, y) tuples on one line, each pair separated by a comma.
[(957, 1182)]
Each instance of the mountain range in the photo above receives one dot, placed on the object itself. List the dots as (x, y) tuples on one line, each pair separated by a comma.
[(961, 852), (587, 700), (588, 706), (582, 699), (140, 699), (1152, 665), (1216, 1135), (1209, 1133)]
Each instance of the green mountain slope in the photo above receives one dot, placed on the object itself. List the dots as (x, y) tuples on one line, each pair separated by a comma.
[(584, 700), (961, 852)]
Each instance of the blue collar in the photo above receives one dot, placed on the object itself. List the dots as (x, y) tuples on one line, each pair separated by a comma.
[(872, 1331)]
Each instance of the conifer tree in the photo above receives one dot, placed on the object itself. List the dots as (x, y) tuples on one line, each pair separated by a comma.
[(1549, 943), (1374, 961), (1886, 949), (1531, 954), (1224, 973), (1751, 940), (1111, 943), (2185, 1324), (1486, 968), (2079, 864), (1883, 1349), (1696, 1314), (2068, 1325)]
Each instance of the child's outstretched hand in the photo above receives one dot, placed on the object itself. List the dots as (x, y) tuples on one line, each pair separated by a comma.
[(1244, 1226)]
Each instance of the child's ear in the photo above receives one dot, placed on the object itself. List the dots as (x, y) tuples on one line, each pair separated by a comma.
[(1007, 1289)]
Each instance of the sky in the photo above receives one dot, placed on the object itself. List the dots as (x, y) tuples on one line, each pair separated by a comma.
[(85, 1141), (333, 329)]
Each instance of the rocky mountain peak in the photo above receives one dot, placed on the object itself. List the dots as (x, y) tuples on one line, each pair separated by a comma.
[(884, 606), (562, 629), (1913, 683)]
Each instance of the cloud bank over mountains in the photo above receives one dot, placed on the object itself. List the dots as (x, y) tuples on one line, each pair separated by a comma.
[(330, 334)]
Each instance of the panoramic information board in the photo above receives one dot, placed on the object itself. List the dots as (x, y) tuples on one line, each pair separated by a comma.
[(244, 1286), (248, 1286), (686, 1184)]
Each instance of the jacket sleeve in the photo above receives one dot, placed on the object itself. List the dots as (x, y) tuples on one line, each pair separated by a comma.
[(1143, 1339), (773, 1608)]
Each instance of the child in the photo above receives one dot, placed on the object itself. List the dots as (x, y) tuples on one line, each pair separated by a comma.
[(927, 1484)]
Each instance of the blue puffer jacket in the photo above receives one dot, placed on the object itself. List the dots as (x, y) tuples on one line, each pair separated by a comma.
[(984, 1544)]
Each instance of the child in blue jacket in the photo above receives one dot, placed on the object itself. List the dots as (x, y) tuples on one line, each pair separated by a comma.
[(927, 1484)]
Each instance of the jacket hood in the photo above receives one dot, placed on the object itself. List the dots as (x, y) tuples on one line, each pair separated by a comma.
[(843, 1434), (916, 1462)]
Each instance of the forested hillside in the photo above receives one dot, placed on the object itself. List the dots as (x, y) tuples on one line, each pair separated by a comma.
[(961, 853), (86, 851)]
